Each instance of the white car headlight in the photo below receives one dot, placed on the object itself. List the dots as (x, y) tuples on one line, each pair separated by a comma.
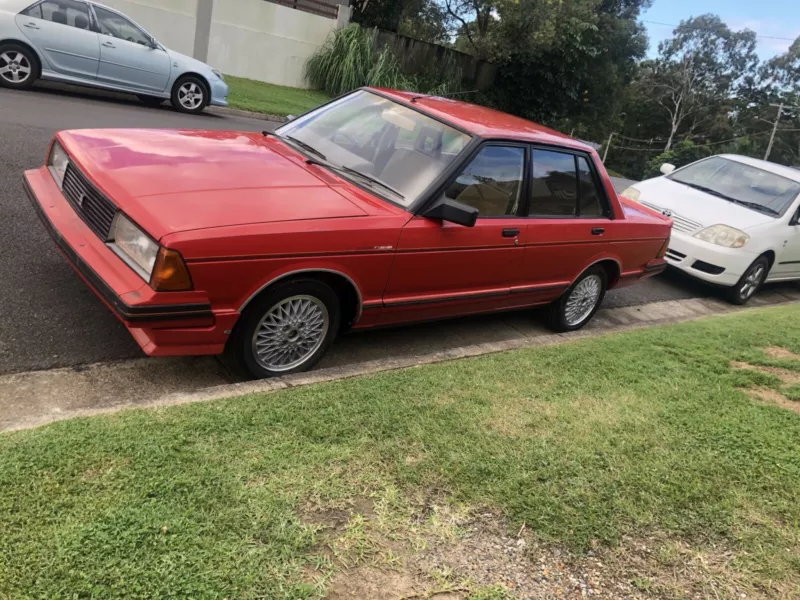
[(133, 246), (57, 163), (218, 74), (631, 194), (723, 235)]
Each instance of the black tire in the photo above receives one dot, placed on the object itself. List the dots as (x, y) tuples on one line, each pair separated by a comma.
[(22, 64), (556, 316), (196, 86), (241, 345), (750, 282), (150, 100)]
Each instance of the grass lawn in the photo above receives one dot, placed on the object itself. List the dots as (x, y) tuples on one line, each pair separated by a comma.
[(646, 459), (613, 173), (268, 98)]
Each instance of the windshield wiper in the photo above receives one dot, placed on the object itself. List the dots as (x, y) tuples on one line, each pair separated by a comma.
[(757, 207), (304, 146), (369, 178), (707, 190), (355, 172), (750, 205)]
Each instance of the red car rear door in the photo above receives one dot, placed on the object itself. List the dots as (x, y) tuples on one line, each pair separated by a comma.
[(443, 269), (569, 222)]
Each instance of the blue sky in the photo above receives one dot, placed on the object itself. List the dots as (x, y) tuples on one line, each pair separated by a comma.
[(780, 18)]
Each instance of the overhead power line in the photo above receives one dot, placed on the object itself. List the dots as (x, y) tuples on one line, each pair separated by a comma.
[(758, 35), (760, 133)]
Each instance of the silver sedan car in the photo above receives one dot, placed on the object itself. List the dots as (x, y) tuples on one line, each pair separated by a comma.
[(88, 44)]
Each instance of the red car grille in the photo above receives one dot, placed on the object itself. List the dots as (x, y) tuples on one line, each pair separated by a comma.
[(94, 208)]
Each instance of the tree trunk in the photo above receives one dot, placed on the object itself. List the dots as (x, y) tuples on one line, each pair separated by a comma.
[(671, 136)]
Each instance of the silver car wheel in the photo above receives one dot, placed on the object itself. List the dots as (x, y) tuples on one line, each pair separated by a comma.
[(751, 282), (290, 333), (191, 95), (14, 67), (582, 300)]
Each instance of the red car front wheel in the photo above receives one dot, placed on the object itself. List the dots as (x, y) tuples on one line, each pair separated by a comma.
[(288, 329)]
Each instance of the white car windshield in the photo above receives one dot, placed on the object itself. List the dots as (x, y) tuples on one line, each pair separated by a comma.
[(740, 183), (388, 147)]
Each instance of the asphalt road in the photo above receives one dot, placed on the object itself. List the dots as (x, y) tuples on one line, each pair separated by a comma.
[(48, 317)]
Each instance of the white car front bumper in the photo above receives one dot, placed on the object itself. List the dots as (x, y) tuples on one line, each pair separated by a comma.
[(706, 261)]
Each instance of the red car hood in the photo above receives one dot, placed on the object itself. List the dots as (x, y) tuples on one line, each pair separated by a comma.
[(175, 180)]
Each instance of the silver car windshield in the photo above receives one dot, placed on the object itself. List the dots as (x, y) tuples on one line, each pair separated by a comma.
[(742, 184), (384, 145)]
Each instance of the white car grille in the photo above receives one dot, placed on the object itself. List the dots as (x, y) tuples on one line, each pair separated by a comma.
[(679, 223)]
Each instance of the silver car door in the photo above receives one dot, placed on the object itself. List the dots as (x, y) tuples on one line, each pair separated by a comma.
[(61, 31), (128, 56)]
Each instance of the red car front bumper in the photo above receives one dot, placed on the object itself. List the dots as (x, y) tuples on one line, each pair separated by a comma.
[(165, 323)]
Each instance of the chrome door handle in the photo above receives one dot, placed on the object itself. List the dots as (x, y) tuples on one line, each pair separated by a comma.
[(108, 45), (32, 26)]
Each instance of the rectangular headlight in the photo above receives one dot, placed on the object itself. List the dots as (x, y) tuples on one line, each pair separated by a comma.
[(133, 246), (57, 163)]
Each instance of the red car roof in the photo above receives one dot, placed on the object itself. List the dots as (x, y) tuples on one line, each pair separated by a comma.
[(483, 121)]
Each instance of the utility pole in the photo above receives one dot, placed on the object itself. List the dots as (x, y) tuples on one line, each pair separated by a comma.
[(605, 153), (774, 129)]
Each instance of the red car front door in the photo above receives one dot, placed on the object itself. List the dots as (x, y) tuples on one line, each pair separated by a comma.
[(443, 269)]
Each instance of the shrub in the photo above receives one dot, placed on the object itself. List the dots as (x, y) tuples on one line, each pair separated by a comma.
[(348, 60)]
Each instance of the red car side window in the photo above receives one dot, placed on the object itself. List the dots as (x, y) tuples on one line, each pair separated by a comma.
[(590, 203), (492, 182), (554, 186)]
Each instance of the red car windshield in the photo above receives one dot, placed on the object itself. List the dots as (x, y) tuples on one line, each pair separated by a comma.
[(400, 150)]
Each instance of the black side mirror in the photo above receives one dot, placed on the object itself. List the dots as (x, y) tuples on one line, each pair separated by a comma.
[(453, 211), (795, 220)]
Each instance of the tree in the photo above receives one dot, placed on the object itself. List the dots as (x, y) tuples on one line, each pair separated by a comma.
[(566, 63), (699, 71), (473, 19), (426, 20)]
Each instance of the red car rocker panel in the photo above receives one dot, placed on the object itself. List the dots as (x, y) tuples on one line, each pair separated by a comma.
[(378, 208)]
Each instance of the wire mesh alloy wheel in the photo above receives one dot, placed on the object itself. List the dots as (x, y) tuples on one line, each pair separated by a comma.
[(582, 300), (190, 95), (290, 333), (14, 67), (752, 281)]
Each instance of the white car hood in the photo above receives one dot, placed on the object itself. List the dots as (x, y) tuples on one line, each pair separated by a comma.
[(695, 206)]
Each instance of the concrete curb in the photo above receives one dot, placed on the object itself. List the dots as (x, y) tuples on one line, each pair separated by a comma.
[(228, 111), (46, 383)]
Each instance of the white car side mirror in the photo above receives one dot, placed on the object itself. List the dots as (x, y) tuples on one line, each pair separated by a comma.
[(667, 168)]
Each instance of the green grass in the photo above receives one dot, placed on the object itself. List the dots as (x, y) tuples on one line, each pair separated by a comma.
[(613, 173), (590, 444), (268, 98)]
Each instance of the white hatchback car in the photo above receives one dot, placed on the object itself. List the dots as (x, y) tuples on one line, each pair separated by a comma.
[(736, 220)]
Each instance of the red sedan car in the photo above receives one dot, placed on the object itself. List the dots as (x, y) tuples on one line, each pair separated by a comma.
[(377, 208)]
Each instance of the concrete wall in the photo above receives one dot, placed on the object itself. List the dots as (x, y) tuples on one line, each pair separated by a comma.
[(249, 38), (171, 22), (265, 41)]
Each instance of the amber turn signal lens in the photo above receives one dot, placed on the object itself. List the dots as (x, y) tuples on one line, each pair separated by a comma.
[(170, 273)]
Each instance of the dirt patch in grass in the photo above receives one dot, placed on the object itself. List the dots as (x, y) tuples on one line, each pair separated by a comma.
[(489, 560), (787, 376), (778, 352), (769, 396)]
